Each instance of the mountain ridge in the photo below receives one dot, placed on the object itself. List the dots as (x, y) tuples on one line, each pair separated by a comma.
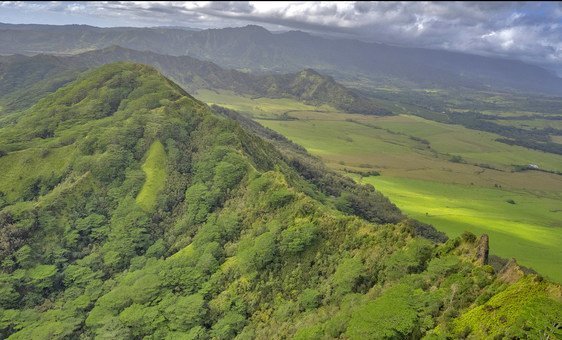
[(194, 75), (261, 50), (238, 240)]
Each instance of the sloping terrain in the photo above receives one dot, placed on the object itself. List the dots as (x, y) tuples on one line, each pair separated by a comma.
[(239, 240)]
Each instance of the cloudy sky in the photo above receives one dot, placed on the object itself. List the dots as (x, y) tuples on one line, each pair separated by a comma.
[(530, 31)]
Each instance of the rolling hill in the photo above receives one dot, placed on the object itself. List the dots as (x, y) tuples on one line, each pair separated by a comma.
[(128, 209), (307, 86)]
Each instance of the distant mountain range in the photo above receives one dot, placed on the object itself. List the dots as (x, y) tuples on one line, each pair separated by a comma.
[(49, 71), (255, 48)]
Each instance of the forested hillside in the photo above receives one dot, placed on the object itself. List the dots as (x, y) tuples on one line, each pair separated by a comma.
[(128, 209)]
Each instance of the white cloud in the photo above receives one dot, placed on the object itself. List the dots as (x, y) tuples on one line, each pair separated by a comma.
[(523, 30)]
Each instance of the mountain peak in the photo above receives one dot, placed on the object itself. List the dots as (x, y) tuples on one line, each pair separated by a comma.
[(102, 92), (112, 48), (255, 28), (310, 71), (297, 34)]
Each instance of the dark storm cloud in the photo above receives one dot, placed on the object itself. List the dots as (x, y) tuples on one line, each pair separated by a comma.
[(525, 30)]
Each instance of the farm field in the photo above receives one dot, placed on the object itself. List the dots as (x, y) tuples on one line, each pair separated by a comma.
[(414, 157)]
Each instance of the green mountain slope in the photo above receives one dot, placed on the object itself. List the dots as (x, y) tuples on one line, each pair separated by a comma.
[(25, 80), (307, 86), (131, 210), (313, 88)]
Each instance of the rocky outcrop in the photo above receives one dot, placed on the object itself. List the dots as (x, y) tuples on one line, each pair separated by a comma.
[(483, 250), (511, 272)]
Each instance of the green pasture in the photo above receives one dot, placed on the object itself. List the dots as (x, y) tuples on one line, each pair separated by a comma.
[(529, 230), (257, 107), (393, 146)]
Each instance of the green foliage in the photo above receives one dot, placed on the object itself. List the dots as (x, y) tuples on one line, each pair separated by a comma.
[(314, 332), (297, 238), (412, 259), (346, 276), (309, 299), (8, 296), (392, 316), (150, 217), (522, 310), (280, 198), (228, 326), (185, 312), (260, 254), (42, 276)]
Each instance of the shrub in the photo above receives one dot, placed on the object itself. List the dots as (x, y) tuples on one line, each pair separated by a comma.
[(469, 237), (392, 316), (260, 254), (280, 198), (309, 299), (456, 159), (228, 326), (297, 238), (346, 276)]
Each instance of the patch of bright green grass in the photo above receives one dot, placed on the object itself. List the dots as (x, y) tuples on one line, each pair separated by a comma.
[(155, 169), (529, 230), (340, 138), (257, 107)]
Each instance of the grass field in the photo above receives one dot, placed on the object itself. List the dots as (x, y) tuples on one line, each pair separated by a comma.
[(413, 155), (529, 230), (391, 145), (155, 170), (257, 107)]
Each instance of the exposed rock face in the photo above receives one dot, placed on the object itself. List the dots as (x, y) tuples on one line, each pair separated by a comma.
[(483, 250), (511, 272)]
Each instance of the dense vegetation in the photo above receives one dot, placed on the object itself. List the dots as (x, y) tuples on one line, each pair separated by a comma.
[(131, 210)]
